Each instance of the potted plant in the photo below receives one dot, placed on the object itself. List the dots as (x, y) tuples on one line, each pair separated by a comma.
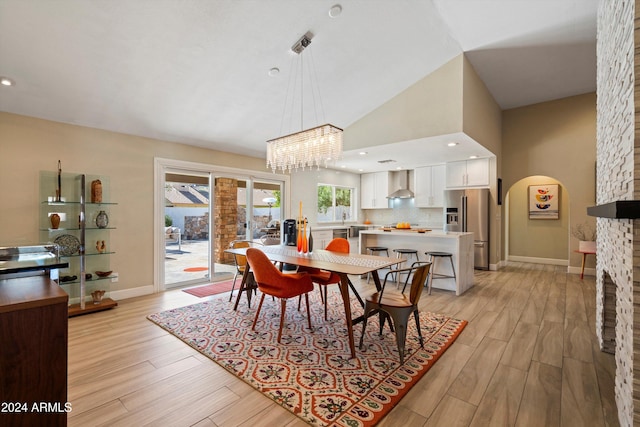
[(586, 236)]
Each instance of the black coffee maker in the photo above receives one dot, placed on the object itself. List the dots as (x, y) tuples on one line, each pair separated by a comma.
[(289, 236)]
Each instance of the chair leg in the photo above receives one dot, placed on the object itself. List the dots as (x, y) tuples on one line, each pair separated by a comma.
[(367, 309), (401, 333), (306, 298), (416, 316), (233, 286), (325, 302), (400, 319), (255, 319), (283, 310)]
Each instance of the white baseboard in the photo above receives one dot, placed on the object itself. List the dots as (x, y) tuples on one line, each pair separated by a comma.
[(131, 292), (576, 270), (534, 260), (498, 266), (123, 294)]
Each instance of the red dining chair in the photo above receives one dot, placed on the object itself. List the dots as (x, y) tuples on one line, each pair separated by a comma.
[(399, 306), (272, 281), (325, 278)]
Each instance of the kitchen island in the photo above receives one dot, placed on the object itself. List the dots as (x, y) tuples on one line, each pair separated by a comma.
[(459, 244)]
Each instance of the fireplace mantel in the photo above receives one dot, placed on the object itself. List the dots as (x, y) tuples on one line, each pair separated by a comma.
[(620, 209)]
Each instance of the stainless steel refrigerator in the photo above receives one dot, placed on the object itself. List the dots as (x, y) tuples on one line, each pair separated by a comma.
[(468, 210)]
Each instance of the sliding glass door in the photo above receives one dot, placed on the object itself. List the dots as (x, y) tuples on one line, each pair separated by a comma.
[(186, 229), (200, 209), (245, 208)]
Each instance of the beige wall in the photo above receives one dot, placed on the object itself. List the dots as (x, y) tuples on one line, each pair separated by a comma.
[(555, 139), (432, 106), (29, 145), (547, 239), (482, 116)]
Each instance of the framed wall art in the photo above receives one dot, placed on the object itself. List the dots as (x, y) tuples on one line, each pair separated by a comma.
[(544, 201)]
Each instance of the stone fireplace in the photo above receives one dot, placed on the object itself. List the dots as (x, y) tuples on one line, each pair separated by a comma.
[(608, 314), (618, 170)]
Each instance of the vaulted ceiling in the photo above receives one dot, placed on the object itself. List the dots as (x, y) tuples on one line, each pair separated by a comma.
[(197, 72)]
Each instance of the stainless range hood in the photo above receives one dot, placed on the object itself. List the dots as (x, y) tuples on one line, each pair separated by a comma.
[(403, 182)]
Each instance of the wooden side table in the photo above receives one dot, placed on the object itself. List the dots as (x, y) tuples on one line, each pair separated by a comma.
[(584, 259)]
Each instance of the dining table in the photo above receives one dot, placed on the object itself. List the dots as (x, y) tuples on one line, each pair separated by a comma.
[(339, 263)]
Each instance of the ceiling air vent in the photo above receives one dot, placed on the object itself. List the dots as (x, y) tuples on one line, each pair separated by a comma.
[(386, 161)]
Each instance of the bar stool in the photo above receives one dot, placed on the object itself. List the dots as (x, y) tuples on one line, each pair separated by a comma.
[(376, 250), (407, 253), (432, 274)]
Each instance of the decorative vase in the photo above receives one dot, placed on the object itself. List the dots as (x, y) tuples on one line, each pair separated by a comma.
[(305, 239), (101, 247), (55, 220), (97, 296), (96, 191), (102, 220), (299, 237), (310, 241)]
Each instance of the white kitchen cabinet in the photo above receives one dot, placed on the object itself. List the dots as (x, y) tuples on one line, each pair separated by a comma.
[(374, 189), (321, 238), (429, 186), (468, 173)]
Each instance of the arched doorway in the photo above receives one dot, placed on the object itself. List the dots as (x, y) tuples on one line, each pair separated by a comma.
[(533, 238)]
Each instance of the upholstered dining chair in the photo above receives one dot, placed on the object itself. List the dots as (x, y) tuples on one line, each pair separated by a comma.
[(398, 305), (272, 281), (325, 278), (239, 260)]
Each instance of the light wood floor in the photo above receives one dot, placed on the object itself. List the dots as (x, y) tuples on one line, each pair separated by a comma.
[(529, 357)]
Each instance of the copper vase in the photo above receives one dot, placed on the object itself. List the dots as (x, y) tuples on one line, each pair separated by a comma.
[(55, 220)]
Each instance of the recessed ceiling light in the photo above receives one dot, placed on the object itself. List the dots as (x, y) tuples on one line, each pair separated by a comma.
[(343, 166), (363, 153), (274, 71), (399, 168), (6, 81), (473, 156), (360, 170), (452, 144), (335, 10)]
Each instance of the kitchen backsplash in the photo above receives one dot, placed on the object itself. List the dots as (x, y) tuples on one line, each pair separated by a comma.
[(404, 210)]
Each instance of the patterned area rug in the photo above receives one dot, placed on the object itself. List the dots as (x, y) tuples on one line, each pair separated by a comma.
[(310, 373)]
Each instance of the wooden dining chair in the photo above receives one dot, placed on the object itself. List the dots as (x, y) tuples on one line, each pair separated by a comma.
[(272, 281), (398, 305), (240, 261), (325, 278)]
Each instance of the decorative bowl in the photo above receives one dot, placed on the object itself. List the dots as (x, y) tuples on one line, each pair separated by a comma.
[(103, 273), (68, 244)]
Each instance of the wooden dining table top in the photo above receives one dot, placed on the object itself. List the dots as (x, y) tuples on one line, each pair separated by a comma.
[(337, 262)]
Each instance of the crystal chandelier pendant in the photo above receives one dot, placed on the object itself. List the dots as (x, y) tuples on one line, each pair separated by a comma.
[(318, 146)]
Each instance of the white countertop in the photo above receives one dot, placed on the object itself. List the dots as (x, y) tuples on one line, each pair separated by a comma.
[(414, 233)]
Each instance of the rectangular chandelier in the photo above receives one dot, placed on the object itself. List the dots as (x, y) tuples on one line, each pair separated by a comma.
[(317, 146)]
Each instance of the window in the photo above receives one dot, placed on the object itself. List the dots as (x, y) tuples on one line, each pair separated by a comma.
[(335, 203)]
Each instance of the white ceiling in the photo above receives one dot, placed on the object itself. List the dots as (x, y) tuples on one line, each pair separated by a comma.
[(196, 72)]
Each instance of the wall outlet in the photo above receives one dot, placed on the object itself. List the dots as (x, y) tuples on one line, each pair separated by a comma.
[(114, 277)]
